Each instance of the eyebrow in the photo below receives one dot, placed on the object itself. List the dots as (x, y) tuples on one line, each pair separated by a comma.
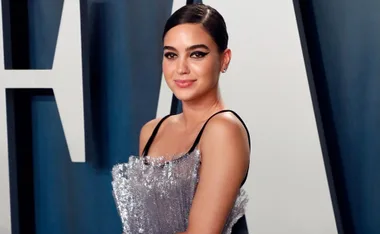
[(193, 47)]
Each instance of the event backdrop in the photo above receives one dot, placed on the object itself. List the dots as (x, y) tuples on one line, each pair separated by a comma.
[(300, 77), (342, 39)]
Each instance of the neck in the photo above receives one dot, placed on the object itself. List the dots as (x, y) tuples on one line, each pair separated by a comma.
[(196, 112)]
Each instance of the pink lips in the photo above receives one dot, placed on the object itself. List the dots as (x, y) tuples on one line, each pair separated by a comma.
[(184, 83)]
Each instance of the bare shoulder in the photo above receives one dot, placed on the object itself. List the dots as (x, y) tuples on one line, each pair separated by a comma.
[(146, 131), (148, 128), (225, 128), (225, 139)]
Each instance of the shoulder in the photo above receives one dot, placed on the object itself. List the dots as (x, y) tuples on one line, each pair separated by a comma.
[(225, 127), (148, 127), (225, 136), (146, 131)]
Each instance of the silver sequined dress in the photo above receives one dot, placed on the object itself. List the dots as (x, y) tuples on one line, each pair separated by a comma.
[(154, 196)]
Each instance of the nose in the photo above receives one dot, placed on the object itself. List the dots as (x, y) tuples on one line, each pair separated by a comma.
[(182, 66)]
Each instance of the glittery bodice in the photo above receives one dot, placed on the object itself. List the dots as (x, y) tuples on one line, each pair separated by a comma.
[(154, 196)]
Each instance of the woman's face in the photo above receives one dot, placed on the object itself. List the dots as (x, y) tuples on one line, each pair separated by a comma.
[(192, 62)]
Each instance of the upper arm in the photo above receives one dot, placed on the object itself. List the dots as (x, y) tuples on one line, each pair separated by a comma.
[(225, 160), (146, 132)]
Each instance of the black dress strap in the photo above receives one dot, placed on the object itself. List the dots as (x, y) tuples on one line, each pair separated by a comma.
[(196, 142), (154, 133)]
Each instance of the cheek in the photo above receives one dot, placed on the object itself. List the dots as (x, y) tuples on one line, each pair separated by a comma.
[(200, 68), (206, 69), (168, 68)]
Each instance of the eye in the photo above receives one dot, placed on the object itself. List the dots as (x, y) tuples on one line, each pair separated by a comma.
[(170, 55), (198, 54)]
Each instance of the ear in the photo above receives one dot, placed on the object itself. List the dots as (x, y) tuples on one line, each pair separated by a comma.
[(226, 58)]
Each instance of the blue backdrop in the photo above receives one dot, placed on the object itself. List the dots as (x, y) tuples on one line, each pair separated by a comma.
[(121, 39), (124, 39), (343, 43)]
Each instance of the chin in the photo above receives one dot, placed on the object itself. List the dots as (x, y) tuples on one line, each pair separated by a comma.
[(185, 96)]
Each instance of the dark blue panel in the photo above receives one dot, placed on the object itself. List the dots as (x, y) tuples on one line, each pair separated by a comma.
[(347, 80), (125, 74), (44, 20), (51, 164), (69, 198)]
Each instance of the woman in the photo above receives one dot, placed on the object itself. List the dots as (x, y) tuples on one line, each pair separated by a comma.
[(192, 165)]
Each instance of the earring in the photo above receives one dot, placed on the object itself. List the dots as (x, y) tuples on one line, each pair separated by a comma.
[(224, 70)]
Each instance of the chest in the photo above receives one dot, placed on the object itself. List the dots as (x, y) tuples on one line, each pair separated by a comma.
[(172, 142)]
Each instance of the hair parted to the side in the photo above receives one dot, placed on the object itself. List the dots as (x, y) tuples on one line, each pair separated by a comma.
[(198, 13)]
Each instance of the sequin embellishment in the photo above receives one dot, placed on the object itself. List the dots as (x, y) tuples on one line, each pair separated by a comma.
[(154, 196)]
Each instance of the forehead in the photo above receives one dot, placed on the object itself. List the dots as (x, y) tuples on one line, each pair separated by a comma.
[(184, 35)]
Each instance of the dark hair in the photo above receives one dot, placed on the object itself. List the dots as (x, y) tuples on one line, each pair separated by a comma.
[(208, 17)]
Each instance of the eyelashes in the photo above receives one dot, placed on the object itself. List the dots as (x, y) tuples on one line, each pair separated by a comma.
[(195, 54), (198, 54), (170, 55)]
